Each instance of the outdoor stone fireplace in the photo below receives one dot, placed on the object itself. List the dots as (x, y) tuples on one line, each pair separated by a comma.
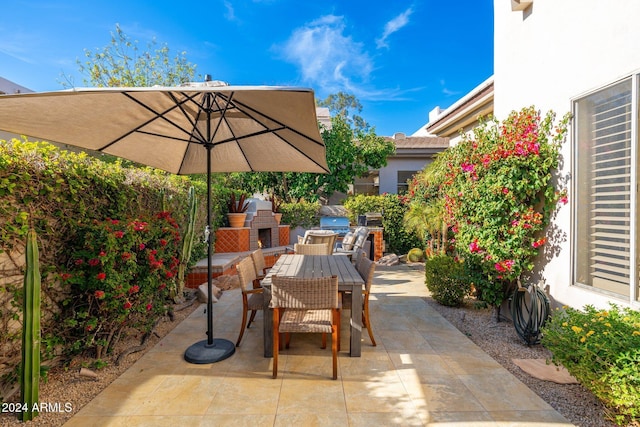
[(260, 228)]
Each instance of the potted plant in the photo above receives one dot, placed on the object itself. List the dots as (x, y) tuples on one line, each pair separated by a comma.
[(275, 207), (237, 211)]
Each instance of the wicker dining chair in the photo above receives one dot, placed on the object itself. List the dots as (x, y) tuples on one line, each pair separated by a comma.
[(311, 249), (252, 298), (260, 266), (305, 305), (315, 237), (366, 268)]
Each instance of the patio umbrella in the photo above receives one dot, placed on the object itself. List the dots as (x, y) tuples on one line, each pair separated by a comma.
[(196, 128)]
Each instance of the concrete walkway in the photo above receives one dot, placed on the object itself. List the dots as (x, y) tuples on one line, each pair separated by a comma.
[(423, 372)]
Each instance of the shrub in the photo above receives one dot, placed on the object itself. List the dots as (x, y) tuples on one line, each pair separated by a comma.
[(601, 348), (442, 277), (397, 238), (120, 277), (303, 214)]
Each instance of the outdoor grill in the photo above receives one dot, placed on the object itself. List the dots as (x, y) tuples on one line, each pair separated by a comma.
[(339, 224), (374, 219)]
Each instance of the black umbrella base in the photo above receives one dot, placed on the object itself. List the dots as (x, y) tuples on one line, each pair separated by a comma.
[(201, 352)]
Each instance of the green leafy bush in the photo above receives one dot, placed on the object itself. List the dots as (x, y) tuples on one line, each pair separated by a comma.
[(397, 238), (120, 277), (601, 348), (442, 277), (303, 214)]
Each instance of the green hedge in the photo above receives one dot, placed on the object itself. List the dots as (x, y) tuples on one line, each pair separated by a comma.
[(397, 238), (58, 192)]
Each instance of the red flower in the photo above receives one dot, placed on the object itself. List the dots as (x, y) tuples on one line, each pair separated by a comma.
[(101, 276), (127, 305), (118, 234), (473, 246), (93, 262), (99, 294), (65, 276), (141, 246), (149, 307), (564, 200), (539, 242), (89, 327), (163, 242), (79, 262), (125, 256), (134, 289), (102, 253), (505, 190), (162, 286)]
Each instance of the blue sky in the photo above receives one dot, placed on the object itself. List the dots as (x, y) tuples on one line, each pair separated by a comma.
[(399, 58)]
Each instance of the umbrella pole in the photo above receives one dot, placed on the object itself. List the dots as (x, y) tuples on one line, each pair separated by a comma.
[(212, 349)]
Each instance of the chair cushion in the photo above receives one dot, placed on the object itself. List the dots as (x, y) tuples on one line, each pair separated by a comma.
[(255, 301), (306, 321), (347, 241)]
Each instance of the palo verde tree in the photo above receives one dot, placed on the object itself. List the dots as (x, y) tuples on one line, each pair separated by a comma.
[(123, 64), (352, 149)]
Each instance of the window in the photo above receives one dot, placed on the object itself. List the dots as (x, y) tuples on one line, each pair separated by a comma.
[(403, 180), (605, 182)]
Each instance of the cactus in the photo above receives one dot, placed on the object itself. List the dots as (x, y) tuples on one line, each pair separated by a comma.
[(30, 372), (187, 242), (415, 255)]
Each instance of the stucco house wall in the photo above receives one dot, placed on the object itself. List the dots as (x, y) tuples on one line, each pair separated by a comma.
[(549, 55), (389, 174)]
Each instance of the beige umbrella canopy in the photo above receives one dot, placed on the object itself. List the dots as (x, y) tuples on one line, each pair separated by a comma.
[(196, 128)]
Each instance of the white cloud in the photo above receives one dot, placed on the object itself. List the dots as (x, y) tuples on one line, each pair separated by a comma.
[(327, 56), (230, 14), (392, 26)]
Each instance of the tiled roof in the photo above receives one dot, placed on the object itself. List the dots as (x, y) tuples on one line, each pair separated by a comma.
[(418, 142)]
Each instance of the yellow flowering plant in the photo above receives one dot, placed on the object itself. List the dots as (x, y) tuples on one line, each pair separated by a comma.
[(601, 348)]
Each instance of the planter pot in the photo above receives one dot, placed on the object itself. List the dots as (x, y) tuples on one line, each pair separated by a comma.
[(277, 216), (236, 220)]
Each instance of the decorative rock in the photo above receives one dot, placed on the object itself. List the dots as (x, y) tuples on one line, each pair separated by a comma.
[(201, 293), (226, 282), (388, 260)]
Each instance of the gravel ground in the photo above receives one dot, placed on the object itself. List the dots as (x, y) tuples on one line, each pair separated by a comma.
[(67, 392), (502, 343)]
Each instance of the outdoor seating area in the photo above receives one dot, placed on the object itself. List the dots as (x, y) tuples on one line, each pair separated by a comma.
[(423, 371)]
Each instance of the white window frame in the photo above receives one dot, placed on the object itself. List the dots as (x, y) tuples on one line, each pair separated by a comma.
[(634, 239)]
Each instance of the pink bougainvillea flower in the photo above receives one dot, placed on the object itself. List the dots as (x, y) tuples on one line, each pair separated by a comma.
[(134, 289), (127, 305), (468, 167), (101, 276), (99, 294), (505, 190), (564, 200), (474, 247)]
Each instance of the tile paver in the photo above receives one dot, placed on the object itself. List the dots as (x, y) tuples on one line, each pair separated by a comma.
[(423, 372)]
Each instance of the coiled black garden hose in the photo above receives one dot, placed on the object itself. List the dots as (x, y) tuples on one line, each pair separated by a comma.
[(529, 311)]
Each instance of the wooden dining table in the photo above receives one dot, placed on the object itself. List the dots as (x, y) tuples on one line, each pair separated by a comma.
[(317, 266)]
